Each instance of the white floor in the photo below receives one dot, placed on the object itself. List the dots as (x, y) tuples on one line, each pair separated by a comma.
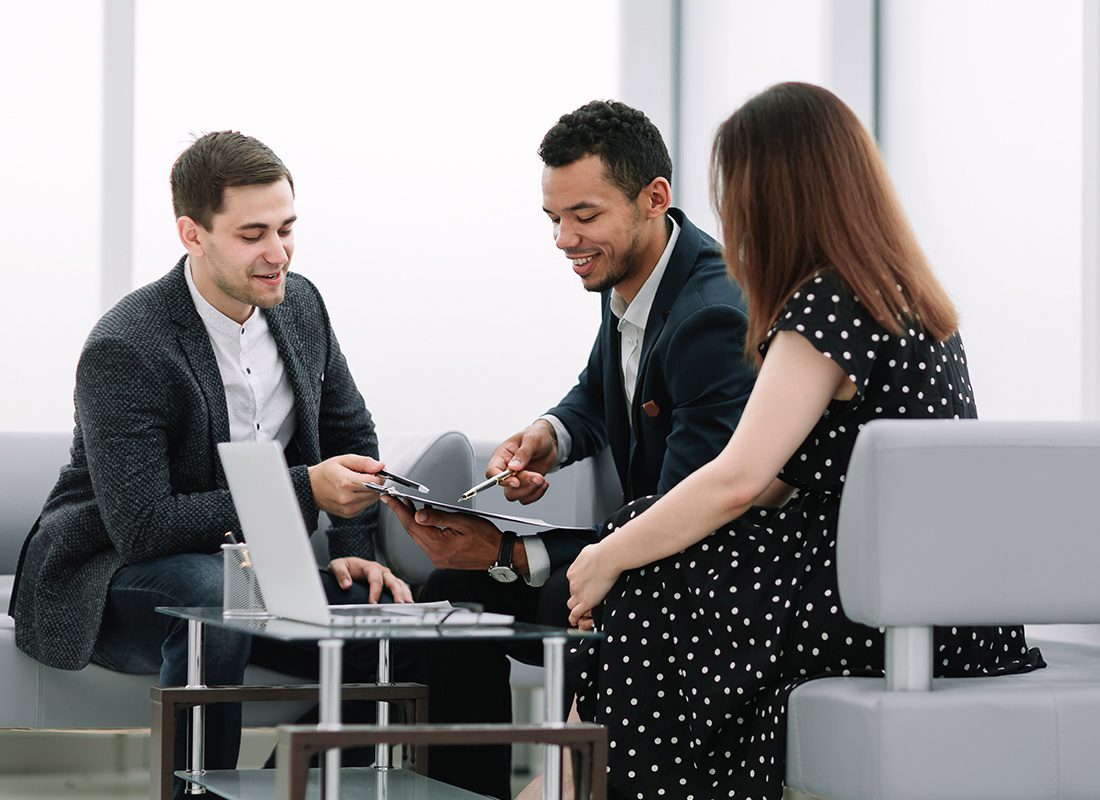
[(125, 786), (49, 765), (57, 765)]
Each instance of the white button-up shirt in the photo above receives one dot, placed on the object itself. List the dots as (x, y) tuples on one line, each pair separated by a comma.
[(258, 394), (633, 317)]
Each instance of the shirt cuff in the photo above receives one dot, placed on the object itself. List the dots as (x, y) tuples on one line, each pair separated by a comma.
[(565, 441), (538, 561)]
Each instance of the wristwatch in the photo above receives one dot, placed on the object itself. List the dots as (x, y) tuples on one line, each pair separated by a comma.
[(504, 571)]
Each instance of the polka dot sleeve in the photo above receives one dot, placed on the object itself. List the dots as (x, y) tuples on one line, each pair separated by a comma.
[(825, 312)]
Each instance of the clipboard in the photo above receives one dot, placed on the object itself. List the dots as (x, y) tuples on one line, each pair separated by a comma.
[(472, 512)]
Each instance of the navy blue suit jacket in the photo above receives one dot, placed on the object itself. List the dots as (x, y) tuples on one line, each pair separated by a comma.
[(693, 381)]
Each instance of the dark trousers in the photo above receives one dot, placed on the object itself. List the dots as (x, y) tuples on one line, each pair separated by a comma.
[(469, 681), (135, 639)]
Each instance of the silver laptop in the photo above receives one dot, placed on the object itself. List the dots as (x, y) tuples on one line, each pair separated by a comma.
[(278, 544)]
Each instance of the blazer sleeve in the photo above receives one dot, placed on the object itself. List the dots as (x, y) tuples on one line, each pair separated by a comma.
[(345, 426), (709, 386), (124, 409), (582, 409), (563, 546)]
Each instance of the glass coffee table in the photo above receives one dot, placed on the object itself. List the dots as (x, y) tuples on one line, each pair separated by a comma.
[(292, 780)]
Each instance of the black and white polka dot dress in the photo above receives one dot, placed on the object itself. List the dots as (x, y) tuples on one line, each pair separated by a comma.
[(702, 648)]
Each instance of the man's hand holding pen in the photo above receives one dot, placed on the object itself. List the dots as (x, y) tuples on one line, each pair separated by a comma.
[(529, 454), (337, 484)]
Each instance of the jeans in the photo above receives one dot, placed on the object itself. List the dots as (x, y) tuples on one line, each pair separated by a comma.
[(134, 638)]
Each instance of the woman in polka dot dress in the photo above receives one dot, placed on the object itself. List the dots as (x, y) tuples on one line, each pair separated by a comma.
[(709, 623)]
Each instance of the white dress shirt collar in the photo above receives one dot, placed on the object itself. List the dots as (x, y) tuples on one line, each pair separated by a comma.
[(633, 317), (637, 311), (258, 396)]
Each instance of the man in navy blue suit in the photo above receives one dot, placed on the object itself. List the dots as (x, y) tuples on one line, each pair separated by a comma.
[(664, 387)]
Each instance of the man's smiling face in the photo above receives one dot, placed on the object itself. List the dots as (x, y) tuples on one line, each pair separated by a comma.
[(595, 225), (242, 261)]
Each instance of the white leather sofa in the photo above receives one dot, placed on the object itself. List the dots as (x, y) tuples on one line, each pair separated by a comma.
[(956, 523), (33, 696)]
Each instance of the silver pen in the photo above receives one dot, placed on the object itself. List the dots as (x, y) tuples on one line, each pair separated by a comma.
[(486, 484)]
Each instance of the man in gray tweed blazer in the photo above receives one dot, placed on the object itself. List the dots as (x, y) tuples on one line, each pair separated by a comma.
[(137, 516)]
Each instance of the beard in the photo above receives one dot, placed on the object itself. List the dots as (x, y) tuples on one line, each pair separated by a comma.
[(623, 269), (234, 282)]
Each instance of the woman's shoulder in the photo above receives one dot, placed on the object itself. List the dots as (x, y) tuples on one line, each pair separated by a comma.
[(823, 297), (825, 282)]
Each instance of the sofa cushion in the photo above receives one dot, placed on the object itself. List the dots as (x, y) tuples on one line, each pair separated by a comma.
[(6, 582), (1014, 737)]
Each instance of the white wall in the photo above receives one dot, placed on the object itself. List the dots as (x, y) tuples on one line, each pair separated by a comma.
[(981, 113), (981, 127), (50, 153), (411, 130), (733, 49)]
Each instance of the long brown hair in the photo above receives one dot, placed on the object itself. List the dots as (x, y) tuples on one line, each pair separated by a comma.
[(799, 185)]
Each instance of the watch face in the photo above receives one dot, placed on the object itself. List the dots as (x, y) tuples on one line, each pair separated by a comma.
[(502, 574)]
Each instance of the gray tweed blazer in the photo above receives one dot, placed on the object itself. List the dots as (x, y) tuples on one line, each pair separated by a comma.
[(144, 479)]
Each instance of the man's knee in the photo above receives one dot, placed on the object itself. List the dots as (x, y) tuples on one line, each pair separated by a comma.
[(451, 584), (552, 608), (184, 579)]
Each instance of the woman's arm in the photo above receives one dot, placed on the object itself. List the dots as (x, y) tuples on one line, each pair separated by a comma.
[(775, 496), (792, 391)]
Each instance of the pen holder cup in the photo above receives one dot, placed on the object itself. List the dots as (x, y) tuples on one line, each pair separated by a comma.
[(241, 595)]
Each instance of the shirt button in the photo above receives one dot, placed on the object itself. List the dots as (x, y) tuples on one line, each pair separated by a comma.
[(249, 371), (257, 426)]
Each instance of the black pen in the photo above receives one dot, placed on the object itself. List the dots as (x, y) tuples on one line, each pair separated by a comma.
[(404, 481)]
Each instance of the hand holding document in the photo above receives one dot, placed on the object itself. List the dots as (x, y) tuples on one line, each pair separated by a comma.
[(466, 510)]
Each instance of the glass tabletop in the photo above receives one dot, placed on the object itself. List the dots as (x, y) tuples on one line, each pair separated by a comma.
[(292, 630), (365, 783)]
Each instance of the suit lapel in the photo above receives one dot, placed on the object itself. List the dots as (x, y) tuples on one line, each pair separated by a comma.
[(618, 425), (306, 398), (679, 269), (194, 341)]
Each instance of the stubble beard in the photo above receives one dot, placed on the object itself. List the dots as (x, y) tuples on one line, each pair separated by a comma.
[(629, 264), (243, 292)]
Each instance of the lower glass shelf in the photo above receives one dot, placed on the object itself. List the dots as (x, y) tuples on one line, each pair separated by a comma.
[(355, 782)]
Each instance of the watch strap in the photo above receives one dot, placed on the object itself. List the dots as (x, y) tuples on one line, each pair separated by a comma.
[(507, 548)]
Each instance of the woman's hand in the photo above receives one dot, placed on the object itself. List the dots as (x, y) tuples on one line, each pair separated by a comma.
[(590, 579)]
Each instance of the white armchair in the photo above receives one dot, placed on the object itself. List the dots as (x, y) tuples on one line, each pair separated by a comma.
[(961, 523)]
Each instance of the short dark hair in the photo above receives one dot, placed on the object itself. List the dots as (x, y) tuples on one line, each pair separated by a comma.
[(624, 138), (215, 162)]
